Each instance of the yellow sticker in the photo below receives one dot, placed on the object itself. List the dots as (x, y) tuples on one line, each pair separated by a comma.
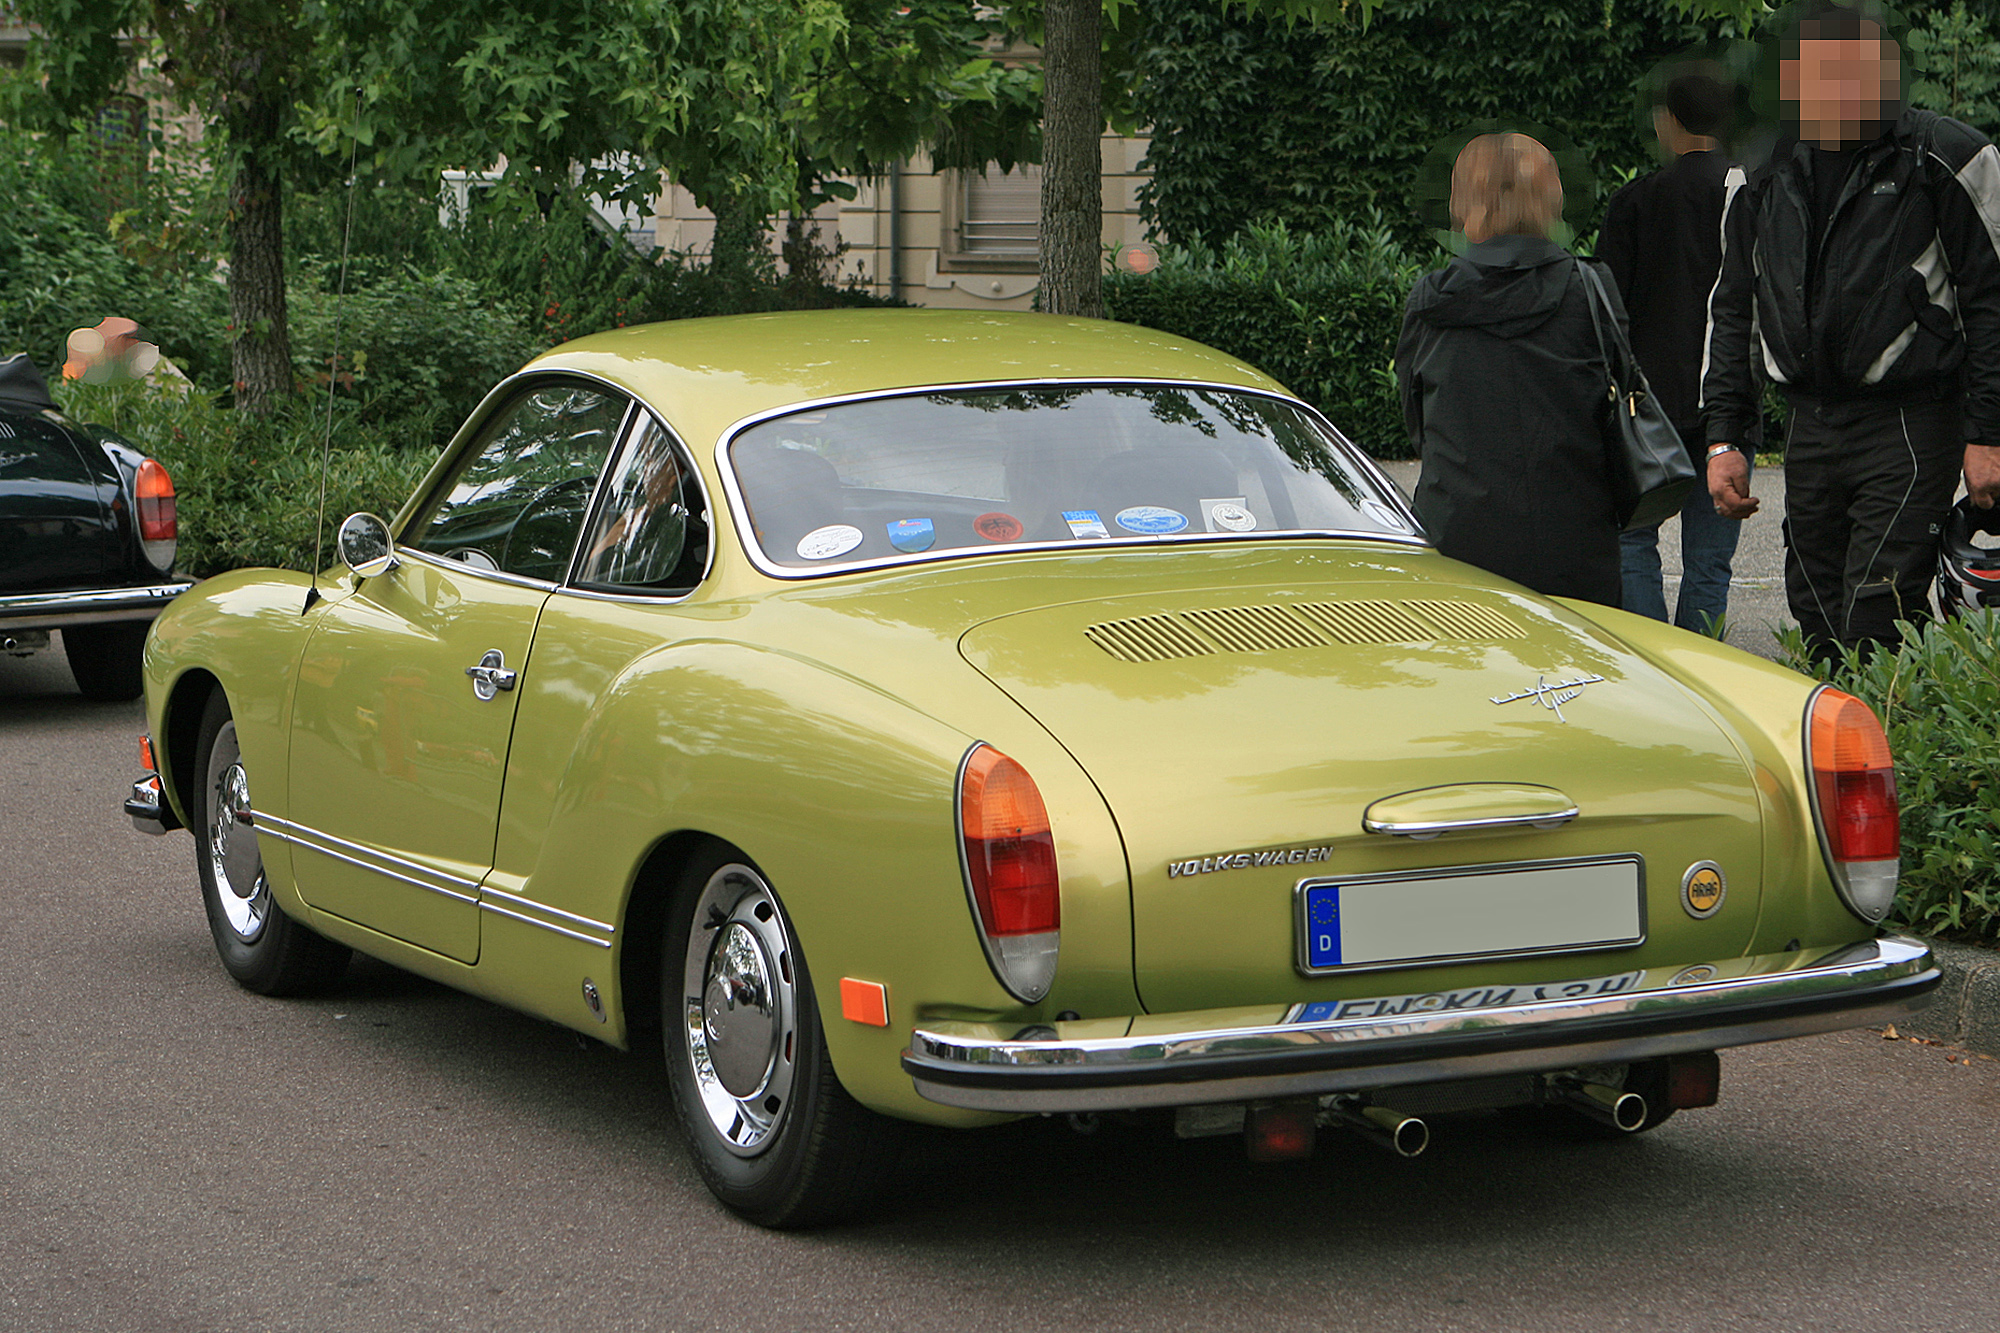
[(1702, 889)]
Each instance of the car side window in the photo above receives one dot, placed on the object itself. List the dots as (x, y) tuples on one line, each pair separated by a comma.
[(652, 533), (519, 501)]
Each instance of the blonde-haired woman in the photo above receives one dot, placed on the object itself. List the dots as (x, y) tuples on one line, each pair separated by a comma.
[(1503, 386)]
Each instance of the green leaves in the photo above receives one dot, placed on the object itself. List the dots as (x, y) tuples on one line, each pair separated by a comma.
[(1939, 700), (1319, 311)]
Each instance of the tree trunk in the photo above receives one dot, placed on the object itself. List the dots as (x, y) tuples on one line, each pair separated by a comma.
[(806, 263), (261, 350), (1072, 167), (734, 253)]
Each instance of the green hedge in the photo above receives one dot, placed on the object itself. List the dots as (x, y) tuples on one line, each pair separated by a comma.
[(247, 489), (1939, 700), (1319, 312)]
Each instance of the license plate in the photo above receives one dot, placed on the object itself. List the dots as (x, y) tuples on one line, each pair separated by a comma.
[(1467, 997), (1427, 917)]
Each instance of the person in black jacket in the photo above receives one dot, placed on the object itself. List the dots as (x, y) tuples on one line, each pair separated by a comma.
[(1861, 271), (1503, 387), (1662, 241)]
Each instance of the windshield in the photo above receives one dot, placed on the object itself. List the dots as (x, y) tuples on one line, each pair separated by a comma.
[(980, 469)]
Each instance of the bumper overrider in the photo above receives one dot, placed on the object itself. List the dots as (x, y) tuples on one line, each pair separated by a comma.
[(1243, 1054)]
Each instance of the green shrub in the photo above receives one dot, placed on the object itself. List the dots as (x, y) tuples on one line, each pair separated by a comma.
[(248, 489), (1939, 700), (417, 351), (1318, 311)]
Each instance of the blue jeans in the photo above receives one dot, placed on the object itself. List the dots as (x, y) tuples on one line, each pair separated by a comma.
[(1708, 548)]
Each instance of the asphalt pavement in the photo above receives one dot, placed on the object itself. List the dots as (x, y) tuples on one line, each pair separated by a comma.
[(177, 1154)]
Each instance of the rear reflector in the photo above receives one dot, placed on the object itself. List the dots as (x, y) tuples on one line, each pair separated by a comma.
[(159, 525), (1854, 801), (1009, 858), (1693, 1079)]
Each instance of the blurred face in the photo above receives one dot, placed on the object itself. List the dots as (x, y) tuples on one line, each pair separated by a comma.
[(1838, 87)]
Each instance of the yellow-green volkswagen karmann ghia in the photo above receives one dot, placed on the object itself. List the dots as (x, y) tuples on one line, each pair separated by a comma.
[(909, 715)]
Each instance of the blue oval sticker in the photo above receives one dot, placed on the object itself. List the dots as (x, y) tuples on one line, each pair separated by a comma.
[(1151, 520)]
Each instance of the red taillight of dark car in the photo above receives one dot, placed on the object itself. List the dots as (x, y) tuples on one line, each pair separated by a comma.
[(1010, 870), (1854, 794), (159, 525)]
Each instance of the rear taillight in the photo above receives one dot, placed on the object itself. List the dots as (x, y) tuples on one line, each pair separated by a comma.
[(1009, 856), (159, 528), (1854, 801)]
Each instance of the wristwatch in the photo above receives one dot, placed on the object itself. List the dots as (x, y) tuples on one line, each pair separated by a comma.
[(1715, 449)]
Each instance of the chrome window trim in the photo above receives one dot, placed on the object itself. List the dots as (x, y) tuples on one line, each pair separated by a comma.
[(627, 432), (494, 575), (452, 458), (739, 512), (498, 910), (301, 835)]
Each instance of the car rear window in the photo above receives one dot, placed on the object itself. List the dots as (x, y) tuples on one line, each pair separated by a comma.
[(960, 471)]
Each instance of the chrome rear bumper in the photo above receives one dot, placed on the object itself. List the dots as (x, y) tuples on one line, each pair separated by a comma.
[(53, 610), (1242, 1055)]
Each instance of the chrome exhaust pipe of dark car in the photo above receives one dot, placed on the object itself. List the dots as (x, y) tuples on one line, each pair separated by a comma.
[(1615, 1107), (1403, 1135)]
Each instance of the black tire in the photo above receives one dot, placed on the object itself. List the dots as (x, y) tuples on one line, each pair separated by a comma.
[(778, 1141), (106, 659), (265, 950)]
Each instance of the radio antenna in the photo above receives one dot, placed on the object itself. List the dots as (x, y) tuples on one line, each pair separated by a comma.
[(333, 367)]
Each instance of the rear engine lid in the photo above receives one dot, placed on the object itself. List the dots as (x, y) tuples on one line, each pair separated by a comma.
[(1242, 736)]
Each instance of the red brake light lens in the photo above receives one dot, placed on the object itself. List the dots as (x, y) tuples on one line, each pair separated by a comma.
[(1854, 786), (154, 490), (1010, 855), (1856, 778)]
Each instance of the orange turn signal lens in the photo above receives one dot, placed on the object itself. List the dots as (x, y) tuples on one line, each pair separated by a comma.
[(1010, 853)]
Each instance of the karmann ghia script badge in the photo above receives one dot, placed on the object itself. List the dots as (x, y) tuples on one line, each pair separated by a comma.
[(1552, 697)]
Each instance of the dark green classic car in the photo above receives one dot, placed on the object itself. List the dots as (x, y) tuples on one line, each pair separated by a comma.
[(909, 715)]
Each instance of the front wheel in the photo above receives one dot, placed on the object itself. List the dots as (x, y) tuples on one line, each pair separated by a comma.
[(775, 1136), (265, 950)]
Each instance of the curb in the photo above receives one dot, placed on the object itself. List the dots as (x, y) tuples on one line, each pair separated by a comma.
[(1965, 1008)]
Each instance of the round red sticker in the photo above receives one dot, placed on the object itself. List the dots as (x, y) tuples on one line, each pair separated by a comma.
[(997, 527)]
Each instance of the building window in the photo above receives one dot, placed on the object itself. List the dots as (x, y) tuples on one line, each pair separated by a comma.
[(993, 220)]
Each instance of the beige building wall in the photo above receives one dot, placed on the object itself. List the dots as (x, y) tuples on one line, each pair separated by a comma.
[(902, 234)]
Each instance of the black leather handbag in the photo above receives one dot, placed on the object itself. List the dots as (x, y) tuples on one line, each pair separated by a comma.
[(1649, 467)]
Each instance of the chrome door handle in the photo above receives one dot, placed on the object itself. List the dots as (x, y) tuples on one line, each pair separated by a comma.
[(491, 675)]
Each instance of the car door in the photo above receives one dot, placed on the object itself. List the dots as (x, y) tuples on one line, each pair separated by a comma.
[(406, 691)]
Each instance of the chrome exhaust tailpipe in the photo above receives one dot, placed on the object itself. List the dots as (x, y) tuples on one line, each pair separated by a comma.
[(1403, 1135), (1615, 1107)]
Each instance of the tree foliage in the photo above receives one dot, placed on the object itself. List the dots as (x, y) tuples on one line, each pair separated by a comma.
[(1256, 121)]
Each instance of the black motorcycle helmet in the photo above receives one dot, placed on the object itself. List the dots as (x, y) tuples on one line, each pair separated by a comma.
[(1968, 574)]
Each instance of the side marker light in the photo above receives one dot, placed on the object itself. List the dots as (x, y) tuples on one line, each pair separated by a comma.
[(865, 1002)]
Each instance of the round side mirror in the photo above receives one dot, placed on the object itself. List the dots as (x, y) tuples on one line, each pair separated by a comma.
[(366, 547)]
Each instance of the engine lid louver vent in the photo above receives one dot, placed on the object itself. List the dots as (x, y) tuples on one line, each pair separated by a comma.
[(1254, 629), (1257, 629), (1366, 622), (1147, 639)]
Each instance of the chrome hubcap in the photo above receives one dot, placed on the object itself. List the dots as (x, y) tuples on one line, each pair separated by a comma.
[(741, 1009), (241, 888)]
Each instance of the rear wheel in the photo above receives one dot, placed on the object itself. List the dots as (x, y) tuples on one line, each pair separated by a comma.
[(105, 659), (775, 1136), (265, 950)]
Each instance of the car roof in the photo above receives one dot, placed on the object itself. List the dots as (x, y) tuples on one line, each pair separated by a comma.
[(704, 375)]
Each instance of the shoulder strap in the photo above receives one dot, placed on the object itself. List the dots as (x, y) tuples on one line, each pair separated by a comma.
[(1596, 301)]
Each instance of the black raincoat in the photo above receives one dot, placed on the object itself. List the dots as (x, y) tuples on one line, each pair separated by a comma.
[(1503, 392)]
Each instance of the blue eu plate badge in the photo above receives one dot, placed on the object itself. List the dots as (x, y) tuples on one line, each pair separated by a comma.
[(1323, 925), (912, 534)]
